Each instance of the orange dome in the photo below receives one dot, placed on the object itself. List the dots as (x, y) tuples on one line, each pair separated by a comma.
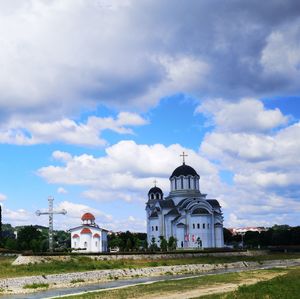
[(87, 216), (86, 231)]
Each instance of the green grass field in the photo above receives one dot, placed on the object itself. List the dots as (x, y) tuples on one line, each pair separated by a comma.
[(79, 264), (281, 287), (285, 286)]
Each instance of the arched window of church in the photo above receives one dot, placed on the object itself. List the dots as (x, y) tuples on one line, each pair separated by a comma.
[(157, 195), (198, 225), (189, 182), (203, 225), (85, 244), (195, 183), (152, 228), (75, 244), (152, 196), (175, 183), (96, 244), (156, 228), (193, 225), (181, 181)]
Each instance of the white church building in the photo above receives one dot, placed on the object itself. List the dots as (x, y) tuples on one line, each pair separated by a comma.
[(186, 213), (88, 237)]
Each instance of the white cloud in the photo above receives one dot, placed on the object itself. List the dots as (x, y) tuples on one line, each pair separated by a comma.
[(60, 57), (126, 172), (264, 164), (68, 131), (62, 190), (248, 115), (2, 197)]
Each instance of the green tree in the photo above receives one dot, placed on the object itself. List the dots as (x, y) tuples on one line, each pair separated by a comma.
[(25, 237), (172, 243), (153, 246), (163, 243), (129, 245)]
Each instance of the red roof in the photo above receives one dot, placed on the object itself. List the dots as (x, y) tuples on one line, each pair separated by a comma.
[(88, 216), (96, 235), (76, 236), (85, 231)]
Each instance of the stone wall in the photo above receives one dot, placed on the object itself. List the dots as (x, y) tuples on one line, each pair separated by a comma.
[(24, 260)]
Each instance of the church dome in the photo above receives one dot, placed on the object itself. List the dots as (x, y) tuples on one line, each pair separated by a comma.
[(155, 190), (88, 216), (184, 170)]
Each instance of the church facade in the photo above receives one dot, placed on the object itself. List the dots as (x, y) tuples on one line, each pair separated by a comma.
[(88, 237), (186, 213)]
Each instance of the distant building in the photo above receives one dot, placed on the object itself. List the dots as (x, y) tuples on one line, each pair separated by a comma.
[(185, 213), (243, 230), (88, 237)]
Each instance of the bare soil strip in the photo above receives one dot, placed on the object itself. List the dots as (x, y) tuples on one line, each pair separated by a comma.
[(216, 289)]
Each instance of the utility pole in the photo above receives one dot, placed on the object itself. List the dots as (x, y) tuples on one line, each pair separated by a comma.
[(51, 212)]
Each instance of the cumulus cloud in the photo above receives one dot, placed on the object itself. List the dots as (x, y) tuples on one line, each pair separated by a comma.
[(123, 168), (58, 57), (264, 162), (248, 115), (68, 131), (62, 190)]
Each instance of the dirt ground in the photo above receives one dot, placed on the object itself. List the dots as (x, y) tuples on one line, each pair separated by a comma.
[(215, 289)]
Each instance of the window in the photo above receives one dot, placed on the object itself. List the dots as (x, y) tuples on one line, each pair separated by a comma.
[(198, 225), (152, 228), (193, 225), (203, 225), (75, 244), (152, 196), (157, 195), (175, 183), (156, 228), (195, 183), (96, 244), (189, 182), (207, 225), (85, 244), (181, 180)]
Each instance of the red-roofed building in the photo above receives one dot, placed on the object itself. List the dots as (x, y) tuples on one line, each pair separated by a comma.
[(88, 237)]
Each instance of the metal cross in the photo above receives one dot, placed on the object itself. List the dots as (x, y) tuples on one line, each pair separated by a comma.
[(155, 181), (50, 212), (183, 155)]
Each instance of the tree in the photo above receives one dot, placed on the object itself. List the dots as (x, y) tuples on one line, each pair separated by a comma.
[(163, 243), (172, 243), (227, 235), (0, 224), (153, 246), (26, 236)]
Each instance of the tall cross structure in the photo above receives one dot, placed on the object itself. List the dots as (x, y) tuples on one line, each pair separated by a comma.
[(183, 156), (154, 182), (51, 212)]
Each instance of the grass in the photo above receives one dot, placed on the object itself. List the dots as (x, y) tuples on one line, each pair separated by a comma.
[(36, 286), (80, 264), (77, 280), (281, 287), (159, 289)]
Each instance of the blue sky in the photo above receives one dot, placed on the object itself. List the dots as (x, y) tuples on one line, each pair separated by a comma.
[(98, 99)]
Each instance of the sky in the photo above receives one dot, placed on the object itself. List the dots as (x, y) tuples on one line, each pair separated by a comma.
[(99, 98)]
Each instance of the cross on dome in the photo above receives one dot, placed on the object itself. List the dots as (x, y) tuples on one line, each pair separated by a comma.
[(183, 156), (154, 182)]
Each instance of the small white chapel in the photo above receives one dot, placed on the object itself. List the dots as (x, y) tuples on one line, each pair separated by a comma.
[(88, 237)]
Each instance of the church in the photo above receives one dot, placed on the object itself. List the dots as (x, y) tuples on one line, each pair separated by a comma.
[(88, 237), (186, 213)]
